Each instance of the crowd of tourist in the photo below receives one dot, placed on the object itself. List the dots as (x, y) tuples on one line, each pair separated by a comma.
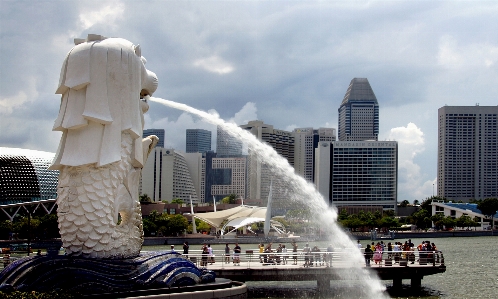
[(400, 252)]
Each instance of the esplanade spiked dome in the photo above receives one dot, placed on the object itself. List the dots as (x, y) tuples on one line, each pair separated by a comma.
[(359, 90)]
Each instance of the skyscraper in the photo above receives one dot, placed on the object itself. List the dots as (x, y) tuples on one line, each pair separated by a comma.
[(198, 141), (158, 132), (305, 142), (166, 176), (467, 152), (359, 113), (227, 146), (260, 174), (362, 173)]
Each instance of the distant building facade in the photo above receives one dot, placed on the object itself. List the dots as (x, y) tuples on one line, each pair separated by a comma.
[(158, 132), (359, 113), (467, 152), (166, 176), (227, 146), (305, 142), (198, 141), (359, 173), (224, 176), (260, 174)]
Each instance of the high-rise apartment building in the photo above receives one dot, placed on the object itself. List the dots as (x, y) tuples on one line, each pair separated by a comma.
[(227, 145), (360, 173), (359, 113), (467, 152), (158, 132), (305, 142), (260, 174), (198, 141), (166, 176)]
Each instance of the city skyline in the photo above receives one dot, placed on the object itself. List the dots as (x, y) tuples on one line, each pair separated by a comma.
[(287, 64)]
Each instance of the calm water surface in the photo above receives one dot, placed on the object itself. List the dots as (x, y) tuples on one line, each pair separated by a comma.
[(471, 272)]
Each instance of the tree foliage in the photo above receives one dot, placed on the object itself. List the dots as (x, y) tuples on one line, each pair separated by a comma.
[(230, 199), (488, 207), (178, 201)]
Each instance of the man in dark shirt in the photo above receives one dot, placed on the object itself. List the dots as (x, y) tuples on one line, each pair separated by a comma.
[(236, 254)]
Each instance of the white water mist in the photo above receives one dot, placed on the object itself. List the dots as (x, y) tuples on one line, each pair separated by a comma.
[(299, 191)]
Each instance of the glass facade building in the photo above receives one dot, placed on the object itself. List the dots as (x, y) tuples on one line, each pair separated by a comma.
[(198, 141), (24, 176), (158, 132), (358, 173)]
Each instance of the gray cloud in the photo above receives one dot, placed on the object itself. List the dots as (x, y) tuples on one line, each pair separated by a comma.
[(292, 60)]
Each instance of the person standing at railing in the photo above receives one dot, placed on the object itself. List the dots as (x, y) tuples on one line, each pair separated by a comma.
[(227, 254), (328, 256), (236, 254), (261, 250), (185, 249), (205, 253), (368, 255), (211, 255), (294, 250), (284, 254), (307, 252)]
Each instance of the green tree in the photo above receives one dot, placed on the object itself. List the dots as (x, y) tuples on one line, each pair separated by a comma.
[(48, 227), (230, 199), (144, 198), (200, 226), (404, 203), (343, 215), (388, 222), (438, 220), (5, 229), (488, 207), (449, 222), (177, 200)]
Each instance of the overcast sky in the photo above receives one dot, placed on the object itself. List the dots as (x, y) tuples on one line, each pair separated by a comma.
[(287, 63)]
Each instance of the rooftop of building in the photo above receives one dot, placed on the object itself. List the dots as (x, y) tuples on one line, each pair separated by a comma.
[(359, 90)]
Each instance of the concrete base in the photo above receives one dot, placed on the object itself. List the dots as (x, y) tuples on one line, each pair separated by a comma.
[(416, 282), (323, 284), (237, 291)]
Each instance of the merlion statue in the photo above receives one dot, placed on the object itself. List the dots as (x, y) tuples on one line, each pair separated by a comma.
[(104, 86)]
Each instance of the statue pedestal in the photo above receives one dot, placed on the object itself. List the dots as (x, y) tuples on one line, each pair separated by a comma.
[(86, 276)]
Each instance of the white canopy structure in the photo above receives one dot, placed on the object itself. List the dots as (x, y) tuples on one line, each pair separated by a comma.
[(238, 217)]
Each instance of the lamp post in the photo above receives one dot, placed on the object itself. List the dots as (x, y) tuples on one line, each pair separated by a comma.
[(433, 190)]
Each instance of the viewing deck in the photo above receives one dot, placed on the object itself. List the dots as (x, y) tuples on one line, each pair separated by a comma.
[(418, 265)]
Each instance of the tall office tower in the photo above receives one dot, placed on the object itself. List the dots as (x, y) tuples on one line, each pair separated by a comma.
[(260, 174), (359, 113), (227, 145), (224, 176), (158, 132), (198, 141), (305, 142), (467, 165), (362, 173), (166, 176)]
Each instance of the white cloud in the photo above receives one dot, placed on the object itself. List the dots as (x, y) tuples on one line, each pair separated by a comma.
[(246, 114), (7, 104), (214, 64), (410, 143), (453, 55), (107, 15)]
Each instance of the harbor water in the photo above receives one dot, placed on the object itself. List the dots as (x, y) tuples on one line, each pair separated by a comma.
[(472, 264)]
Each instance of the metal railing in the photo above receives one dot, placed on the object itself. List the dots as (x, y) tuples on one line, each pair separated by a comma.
[(252, 258)]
